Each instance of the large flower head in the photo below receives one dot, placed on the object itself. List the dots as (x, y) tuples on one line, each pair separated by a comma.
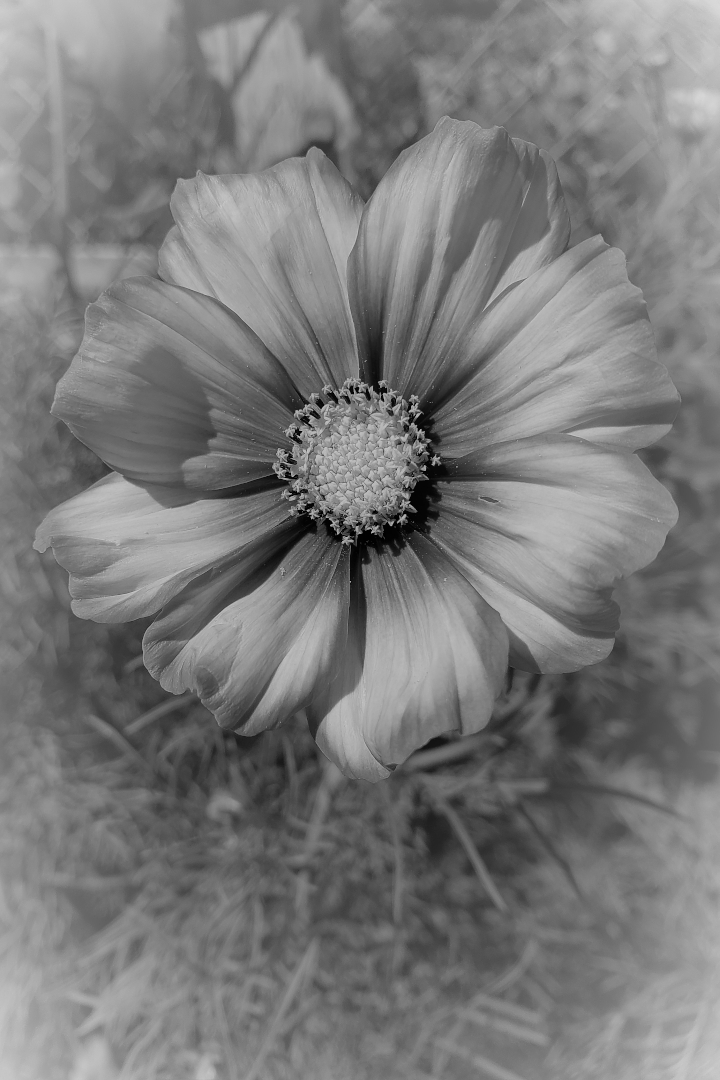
[(366, 455)]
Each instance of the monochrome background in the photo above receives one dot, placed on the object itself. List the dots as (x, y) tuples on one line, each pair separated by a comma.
[(180, 902)]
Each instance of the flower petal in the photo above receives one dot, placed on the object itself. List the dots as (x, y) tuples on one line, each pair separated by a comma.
[(129, 549), (541, 230), (256, 648), (460, 216), (569, 349), (426, 655), (273, 247), (544, 528), (169, 387)]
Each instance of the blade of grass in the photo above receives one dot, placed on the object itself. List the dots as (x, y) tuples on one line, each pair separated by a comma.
[(117, 739), (303, 972), (331, 780), (221, 1014), (156, 713), (538, 993), (451, 753), (513, 973), (472, 853), (508, 1008), (506, 1027), (692, 1043), (398, 861), (552, 851), (608, 789), (479, 1062), (443, 1047)]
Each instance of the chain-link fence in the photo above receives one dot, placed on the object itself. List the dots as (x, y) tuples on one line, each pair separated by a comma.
[(73, 167), (610, 90)]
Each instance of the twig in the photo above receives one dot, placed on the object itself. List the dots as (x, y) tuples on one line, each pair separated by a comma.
[(302, 973)]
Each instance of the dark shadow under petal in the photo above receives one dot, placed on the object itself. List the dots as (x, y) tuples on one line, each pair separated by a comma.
[(130, 548), (273, 247), (258, 637), (170, 388), (427, 655), (456, 220)]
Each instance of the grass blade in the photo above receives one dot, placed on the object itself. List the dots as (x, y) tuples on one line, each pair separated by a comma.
[(302, 973), (472, 853), (553, 852)]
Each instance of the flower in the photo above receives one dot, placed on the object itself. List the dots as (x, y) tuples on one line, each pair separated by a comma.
[(365, 455)]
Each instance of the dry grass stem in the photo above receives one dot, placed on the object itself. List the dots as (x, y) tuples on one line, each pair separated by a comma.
[(472, 853), (331, 780), (165, 708), (508, 1008), (484, 1065), (302, 974), (552, 851), (514, 973), (506, 1027)]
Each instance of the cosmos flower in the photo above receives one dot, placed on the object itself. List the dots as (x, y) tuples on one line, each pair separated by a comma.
[(366, 455)]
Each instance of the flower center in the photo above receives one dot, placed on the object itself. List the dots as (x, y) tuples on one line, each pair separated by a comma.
[(358, 456)]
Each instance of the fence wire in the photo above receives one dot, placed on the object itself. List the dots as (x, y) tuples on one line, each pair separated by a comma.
[(609, 89)]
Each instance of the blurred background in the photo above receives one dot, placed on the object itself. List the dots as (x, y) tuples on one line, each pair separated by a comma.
[(540, 903)]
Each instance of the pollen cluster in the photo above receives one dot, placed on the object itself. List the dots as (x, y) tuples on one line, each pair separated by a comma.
[(358, 456)]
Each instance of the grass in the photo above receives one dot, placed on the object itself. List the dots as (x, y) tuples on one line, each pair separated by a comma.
[(168, 899), (183, 904)]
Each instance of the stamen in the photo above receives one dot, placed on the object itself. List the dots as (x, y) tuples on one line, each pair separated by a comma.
[(357, 458)]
